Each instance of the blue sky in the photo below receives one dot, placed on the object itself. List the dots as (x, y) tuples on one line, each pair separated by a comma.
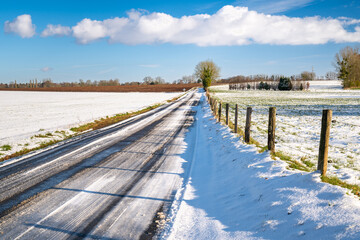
[(129, 40)]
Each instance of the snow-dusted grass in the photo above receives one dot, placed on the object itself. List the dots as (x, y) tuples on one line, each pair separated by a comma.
[(234, 192), (29, 119), (299, 123)]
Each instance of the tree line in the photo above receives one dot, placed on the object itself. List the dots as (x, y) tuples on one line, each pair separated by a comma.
[(278, 83), (48, 83), (347, 63)]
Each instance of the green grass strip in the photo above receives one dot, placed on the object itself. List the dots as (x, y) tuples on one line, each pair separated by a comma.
[(355, 189)]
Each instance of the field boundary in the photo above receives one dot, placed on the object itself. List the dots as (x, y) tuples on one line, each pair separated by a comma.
[(121, 88)]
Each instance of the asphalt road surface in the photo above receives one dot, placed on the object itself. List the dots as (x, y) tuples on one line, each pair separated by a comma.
[(113, 183)]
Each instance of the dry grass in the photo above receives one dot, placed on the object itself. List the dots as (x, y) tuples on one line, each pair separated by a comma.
[(123, 88), (104, 122), (27, 150)]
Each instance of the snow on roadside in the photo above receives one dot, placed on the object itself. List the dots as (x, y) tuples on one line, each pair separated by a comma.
[(234, 192), (50, 115)]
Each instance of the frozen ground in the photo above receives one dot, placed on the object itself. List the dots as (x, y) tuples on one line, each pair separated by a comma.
[(325, 85), (26, 114), (233, 192), (299, 123)]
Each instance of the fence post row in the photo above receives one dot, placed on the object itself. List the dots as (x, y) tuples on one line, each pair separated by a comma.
[(236, 119), (220, 112), (227, 114), (324, 137), (271, 129), (248, 124), (324, 141)]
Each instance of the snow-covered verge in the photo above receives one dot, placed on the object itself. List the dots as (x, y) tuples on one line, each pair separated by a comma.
[(30, 118), (298, 123), (233, 192)]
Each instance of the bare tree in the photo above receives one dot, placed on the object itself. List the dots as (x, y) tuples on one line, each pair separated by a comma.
[(207, 71)]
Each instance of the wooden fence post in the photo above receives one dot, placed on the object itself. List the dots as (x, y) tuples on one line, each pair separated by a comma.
[(215, 108), (236, 119), (324, 141), (219, 112), (271, 129), (248, 124), (227, 114)]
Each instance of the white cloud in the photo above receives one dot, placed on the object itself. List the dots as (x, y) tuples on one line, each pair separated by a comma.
[(229, 26), (349, 21), (46, 69), (22, 25), (56, 30), (89, 30)]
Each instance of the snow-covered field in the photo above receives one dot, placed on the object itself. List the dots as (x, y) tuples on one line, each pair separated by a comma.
[(50, 115), (299, 122), (234, 192)]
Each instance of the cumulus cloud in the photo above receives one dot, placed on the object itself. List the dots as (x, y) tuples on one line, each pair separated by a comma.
[(46, 69), (229, 26), (56, 30), (22, 25)]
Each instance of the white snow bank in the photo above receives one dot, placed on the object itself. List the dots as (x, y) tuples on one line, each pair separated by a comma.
[(236, 193), (25, 114), (328, 84)]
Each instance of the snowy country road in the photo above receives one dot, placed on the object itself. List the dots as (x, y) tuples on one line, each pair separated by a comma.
[(112, 183)]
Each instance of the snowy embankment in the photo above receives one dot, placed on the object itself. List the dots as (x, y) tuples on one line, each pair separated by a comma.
[(29, 118), (233, 192), (298, 122)]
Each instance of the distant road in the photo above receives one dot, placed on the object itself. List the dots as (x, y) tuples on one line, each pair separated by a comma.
[(113, 183)]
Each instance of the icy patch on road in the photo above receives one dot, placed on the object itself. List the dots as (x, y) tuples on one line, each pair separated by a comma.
[(236, 193)]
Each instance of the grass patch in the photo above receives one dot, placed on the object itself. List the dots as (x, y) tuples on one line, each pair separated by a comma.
[(6, 147), (104, 122), (336, 166), (308, 163), (27, 150), (292, 163), (46, 135), (355, 189)]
